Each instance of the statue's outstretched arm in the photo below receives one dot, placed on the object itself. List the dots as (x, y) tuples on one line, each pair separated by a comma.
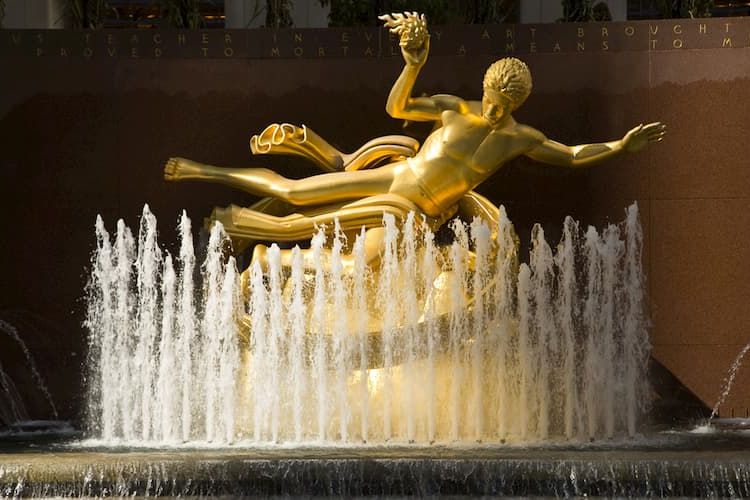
[(584, 155), (415, 45)]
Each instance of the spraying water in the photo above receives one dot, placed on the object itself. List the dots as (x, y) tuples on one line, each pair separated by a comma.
[(728, 382), (434, 344), (12, 332), (12, 407)]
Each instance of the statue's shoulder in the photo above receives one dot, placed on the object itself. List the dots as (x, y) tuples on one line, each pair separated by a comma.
[(530, 133), (447, 102)]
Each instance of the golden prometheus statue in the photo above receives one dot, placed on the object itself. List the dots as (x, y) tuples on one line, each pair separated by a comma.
[(393, 174)]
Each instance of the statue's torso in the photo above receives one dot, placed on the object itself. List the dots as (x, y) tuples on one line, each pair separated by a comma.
[(460, 155)]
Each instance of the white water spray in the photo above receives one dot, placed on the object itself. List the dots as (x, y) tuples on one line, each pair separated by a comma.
[(433, 345)]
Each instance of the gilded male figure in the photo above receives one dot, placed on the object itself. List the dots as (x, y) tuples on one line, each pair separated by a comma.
[(474, 140)]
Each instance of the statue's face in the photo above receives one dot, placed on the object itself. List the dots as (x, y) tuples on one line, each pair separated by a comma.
[(495, 106)]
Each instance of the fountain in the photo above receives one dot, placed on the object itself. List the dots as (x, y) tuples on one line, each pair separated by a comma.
[(183, 402), (437, 345), (389, 341)]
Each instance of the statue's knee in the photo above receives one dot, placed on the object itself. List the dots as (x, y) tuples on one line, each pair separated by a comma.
[(285, 190), (259, 255)]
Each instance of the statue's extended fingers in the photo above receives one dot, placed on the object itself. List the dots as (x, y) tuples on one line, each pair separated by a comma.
[(657, 133), (388, 20), (393, 19), (656, 126)]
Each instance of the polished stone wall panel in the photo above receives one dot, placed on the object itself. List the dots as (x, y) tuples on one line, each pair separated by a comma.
[(86, 135)]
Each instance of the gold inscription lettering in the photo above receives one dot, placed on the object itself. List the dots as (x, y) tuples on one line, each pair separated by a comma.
[(40, 38), (653, 29), (63, 52), (580, 33), (204, 38), (228, 51), (39, 52), (677, 29), (345, 49), (87, 52), (111, 51), (533, 33), (508, 33), (157, 39), (653, 44), (438, 35), (134, 52), (16, 38), (368, 36), (204, 51), (532, 47), (727, 42), (629, 31), (345, 37), (726, 27), (462, 50), (181, 39), (556, 48), (677, 43), (510, 47), (605, 32), (605, 44), (321, 52), (580, 46), (134, 39), (110, 39), (702, 29), (298, 51), (485, 35), (157, 52), (298, 38), (369, 52), (227, 39), (275, 51)]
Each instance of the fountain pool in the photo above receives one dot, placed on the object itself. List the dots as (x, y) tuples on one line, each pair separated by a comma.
[(194, 393), (674, 463)]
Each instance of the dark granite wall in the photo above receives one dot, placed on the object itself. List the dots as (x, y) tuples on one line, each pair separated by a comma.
[(82, 136)]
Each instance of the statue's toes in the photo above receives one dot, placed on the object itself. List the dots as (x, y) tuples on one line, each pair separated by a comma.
[(171, 169)]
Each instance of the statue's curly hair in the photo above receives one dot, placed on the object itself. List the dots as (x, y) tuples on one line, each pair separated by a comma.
[(511, 77)]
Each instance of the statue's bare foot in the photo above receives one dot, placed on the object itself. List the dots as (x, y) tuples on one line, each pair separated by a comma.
[(178, 169)]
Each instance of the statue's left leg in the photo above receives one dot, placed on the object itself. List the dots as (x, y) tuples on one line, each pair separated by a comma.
[(372, 245), (247, 224), (367, 213)]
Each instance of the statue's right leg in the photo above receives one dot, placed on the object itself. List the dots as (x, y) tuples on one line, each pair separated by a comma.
[(313, 190), (260, 181)]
